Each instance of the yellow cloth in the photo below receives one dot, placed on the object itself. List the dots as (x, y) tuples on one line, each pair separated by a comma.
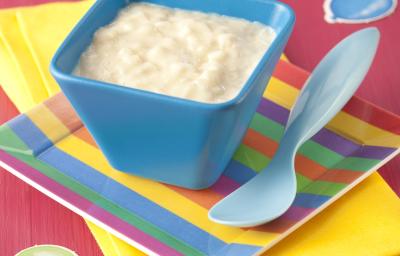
[(111, 245), (28, 39), (364, 222)]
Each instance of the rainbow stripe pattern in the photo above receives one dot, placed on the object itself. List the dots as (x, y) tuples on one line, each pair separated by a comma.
[(49, 148)]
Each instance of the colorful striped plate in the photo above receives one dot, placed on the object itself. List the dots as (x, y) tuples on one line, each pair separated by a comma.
[(49, 148)]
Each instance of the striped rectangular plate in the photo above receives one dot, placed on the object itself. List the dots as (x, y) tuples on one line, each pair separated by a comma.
[(49, 148)]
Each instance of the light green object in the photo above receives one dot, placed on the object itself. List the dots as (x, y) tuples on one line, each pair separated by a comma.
[(46, 250)]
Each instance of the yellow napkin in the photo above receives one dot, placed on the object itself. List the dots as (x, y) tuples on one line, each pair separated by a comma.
[(29, 37), (364, 222)]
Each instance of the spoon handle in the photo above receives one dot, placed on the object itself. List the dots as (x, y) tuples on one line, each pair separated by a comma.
[(324, 95)]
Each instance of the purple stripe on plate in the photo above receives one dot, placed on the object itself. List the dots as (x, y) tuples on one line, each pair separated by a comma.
[(87, 206), (346, 147), (335, 142), (326, 137), (373, 152), (273, 111)]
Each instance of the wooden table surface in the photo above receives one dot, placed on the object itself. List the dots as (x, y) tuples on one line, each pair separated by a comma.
[(27, 217)]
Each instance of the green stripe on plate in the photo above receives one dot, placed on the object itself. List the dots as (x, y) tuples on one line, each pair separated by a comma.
[(356, 164), (325, 188), (302, 181), (251, 158), (267, 127), (320, 154), (9, 141), (90, 195)]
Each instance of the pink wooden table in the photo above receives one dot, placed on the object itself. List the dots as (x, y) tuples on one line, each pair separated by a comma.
[(27, 217)]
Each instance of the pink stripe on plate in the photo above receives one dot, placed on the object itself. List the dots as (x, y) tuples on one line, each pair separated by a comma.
[(224, 186), (87, 206), (296, 213)]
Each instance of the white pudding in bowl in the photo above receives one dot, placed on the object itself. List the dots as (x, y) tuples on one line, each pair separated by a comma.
[(186, 54)]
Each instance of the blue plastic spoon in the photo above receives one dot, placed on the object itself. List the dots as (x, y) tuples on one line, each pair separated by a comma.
[(336, 78)]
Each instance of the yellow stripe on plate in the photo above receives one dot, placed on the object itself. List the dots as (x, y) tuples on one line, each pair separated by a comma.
[(345, 124), (281, 93), (256, 237), (361, 131)]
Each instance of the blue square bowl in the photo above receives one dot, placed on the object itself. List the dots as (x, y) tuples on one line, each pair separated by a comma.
[(172, 140)]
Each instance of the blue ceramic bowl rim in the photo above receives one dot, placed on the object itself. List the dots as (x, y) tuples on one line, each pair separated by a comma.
[(54, 69)]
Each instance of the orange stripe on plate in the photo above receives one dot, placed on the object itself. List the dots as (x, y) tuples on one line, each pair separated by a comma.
[(206, 198), (84, 135), (61, 108), (340, 176), (308, 167), (290, 74), (259, 142)]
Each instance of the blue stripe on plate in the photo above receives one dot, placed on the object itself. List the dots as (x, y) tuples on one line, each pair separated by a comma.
[(238, 249), (309, 200), (29, 133), (132, 201), (239, 172)]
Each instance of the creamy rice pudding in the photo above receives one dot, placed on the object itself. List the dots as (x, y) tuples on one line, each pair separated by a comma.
[(193, 55)]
